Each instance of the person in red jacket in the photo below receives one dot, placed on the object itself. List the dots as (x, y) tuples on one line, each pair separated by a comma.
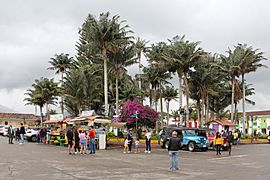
[(92, 136)]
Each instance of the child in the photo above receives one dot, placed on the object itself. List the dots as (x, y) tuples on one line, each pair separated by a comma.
[(82, 141), (137, 143), (126, 146)]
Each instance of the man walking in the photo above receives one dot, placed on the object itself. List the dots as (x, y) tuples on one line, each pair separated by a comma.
[(22, 133), (10, 134), (173, 148), (92, 136), (148, 136), (70, 141), (230, 141)]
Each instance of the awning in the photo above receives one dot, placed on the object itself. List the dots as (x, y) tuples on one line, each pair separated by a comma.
[(118, 124), (223, 122), (103, 121), (51, 121)]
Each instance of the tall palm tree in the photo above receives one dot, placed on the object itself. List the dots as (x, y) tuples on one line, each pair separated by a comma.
[(250, 62), (186, 54), (102, 34), (170, 93), (61, 63), (120, 57), (44, 91), (140, 46)]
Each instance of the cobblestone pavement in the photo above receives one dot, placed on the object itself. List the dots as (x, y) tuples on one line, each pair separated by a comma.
[(31, 161)]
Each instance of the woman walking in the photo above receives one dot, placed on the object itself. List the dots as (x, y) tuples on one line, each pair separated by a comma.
[(148, 136), (218, 142), (230, 141)]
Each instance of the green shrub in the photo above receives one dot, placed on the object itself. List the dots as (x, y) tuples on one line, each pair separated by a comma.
[(263, 136), (110, 134), (246, 136)]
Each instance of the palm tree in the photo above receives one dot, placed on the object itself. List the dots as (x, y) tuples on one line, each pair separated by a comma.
[(103, 34), (61, 63), (140, 46), (120, 57), (186, 54), (45, 91), (250, 62), (170, 93), (35, 98)]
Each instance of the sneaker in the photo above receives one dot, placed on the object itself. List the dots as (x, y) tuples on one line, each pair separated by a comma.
[(129, 152), (20, 143), (145, 151), (124, 152), (149, 152)]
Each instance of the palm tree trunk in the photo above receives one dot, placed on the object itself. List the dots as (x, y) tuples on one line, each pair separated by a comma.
[(232, 101), (117, 96), (243, 104), (41, 116), (168, 112), (47, 111), (207, 109), (62, 98), (156, 107), (140, 72), (187, 98), (180, 93), (161, 108), (105, 83)]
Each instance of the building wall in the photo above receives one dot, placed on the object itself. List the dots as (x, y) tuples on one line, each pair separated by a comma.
[(17, 123), (259, 123)]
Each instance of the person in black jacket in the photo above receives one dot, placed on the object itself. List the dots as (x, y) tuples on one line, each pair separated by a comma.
[(173, 148), (77, 142), (22, 133), (230, 141), (70, 141)]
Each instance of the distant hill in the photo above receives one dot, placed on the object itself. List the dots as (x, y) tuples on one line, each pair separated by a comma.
[(4, 109)]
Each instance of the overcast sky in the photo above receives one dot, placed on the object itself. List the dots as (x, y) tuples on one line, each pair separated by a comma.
[(31, 32)]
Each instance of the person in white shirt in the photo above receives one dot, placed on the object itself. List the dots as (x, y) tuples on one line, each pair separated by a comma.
[(148, 136)]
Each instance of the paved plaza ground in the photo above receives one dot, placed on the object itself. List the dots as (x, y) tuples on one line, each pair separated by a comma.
[(37, 162)]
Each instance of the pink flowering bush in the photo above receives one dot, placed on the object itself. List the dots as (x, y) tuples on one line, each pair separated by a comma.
[(146, 115)]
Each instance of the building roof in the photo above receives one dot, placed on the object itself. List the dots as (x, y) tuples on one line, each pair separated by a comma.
[(17, 116), (258, 113), (223, 122)]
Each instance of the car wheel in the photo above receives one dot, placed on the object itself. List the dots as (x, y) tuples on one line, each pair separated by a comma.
[(33, 138), (191, 146)]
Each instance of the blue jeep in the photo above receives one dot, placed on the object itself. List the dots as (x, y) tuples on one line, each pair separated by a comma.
[(191, 138)]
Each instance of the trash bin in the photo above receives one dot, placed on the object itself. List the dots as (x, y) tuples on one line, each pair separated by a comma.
[(102, 141)]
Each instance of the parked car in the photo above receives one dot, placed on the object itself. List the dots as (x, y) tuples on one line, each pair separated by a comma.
[(3, 130), (31, 134), (211, 135), (191, 138)]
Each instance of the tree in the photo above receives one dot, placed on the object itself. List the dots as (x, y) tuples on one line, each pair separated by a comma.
[(250, 62), (61, 63), (170, 93), (185, 55), (140, 47), (146, 116), (99, 36), (43, 92), (120, 57)]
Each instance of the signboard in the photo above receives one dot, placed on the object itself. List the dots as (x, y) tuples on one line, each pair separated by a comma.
[(57, 117), (216, 127)]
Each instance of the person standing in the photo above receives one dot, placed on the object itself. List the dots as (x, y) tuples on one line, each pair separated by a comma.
[(230, 141), (70, 141), (10, 134), (22, 133), (130, 141), (239, 137), (82, 141), (41, 134), (218, 142), (235, 136), (17, 134), (173, 148), (77, 141), (92, 136), (160, 135), (148, 136)]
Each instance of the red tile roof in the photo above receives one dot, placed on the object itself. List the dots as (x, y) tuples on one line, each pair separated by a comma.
[(223, 122), (18, 116), (258, 113)]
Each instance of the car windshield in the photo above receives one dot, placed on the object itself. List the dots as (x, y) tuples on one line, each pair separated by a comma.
[(189, 132)]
